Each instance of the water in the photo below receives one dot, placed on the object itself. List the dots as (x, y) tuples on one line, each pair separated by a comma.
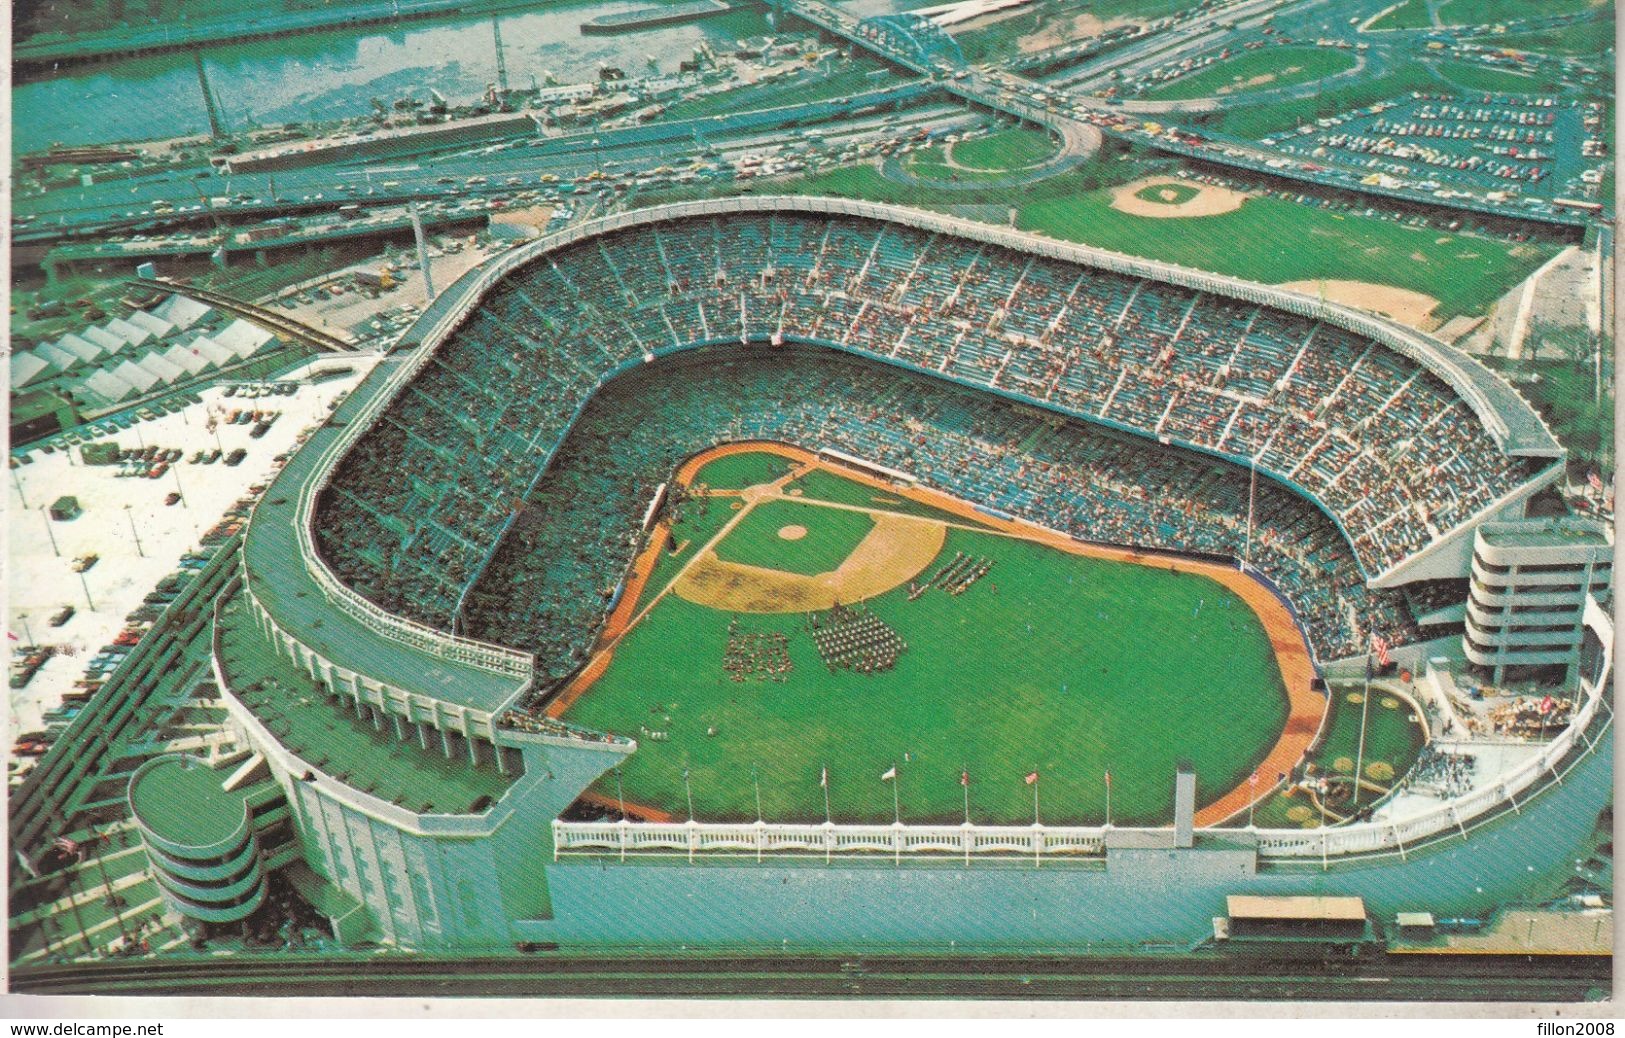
[(330, 75)]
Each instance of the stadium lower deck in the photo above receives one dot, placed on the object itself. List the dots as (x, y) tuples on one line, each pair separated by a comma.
[(549, 582), (448, 506)]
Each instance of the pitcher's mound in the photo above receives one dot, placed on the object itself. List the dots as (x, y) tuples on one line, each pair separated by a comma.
[(792, 532), (1161, 198)]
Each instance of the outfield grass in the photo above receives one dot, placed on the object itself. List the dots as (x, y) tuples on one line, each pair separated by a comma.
[(832, 534), (1290, 242), (1235, 73), (1410, 14), (820, 485), (738, 471), (1073, 665)]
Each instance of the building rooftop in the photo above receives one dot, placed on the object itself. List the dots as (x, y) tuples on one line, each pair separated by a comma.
[(1545, 533), (327, 735), (183, 800)]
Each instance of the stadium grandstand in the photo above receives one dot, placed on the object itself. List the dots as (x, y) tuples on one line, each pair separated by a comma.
[(442, 555), (1395, 459)]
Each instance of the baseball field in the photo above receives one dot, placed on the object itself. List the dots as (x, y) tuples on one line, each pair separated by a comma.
[(800, 619)]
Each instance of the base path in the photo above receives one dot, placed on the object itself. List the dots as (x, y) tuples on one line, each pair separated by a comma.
[(1306, 709), (896, 550)]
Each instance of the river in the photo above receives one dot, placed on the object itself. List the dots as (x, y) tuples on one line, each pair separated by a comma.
[(332, 75)]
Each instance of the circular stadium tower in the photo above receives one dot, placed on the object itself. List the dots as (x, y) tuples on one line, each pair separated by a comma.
[(199, 838)]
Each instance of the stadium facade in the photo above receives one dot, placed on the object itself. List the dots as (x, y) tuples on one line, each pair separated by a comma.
[(425, 785)]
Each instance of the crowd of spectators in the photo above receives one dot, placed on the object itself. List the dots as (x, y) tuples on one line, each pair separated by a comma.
[(466, 506), (1442, 773)]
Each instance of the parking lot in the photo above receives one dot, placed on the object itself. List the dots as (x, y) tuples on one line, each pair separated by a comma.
[(1477, 142), (135, 525)]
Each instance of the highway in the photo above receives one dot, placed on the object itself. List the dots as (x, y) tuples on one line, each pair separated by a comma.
[(1063, 102), (670, 973)]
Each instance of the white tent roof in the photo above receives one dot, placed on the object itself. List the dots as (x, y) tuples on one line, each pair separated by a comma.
[(188, 358), (156, 325), (244, 338), (107, 388), (28, 367), (80, 348), (181, 311), (166, 371), (217, 354), (139, 377), (56, 355), (105, 339), (130, 333)]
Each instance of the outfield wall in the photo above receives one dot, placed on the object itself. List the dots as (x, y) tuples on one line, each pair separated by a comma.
[(1387, 836)]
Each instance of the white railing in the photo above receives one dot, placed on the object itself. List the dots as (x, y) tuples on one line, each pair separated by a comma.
[(1454, 368), (1041, 841), (762, 838)]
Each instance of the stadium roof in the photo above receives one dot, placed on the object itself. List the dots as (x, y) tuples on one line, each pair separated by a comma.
[(330, 738)]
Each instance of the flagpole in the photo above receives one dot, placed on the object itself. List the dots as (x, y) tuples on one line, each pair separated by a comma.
[(825, 783), (896, 799), (1365, 710), (689, 790), (964, 776), (1252, 488), (1108, 800), (1035, 794), (757, 781)]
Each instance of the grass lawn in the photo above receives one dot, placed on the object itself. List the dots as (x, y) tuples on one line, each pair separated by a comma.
[(738, 471), (1123, 667), (1255, 121), (1285, 241), (1311, 63), (1590, 37), (1494, 80), (1016, 148), (696, 523), (1392, 742), (831, 535), (1410, 14), (819, 485), (1490, 12), (1289, 242)]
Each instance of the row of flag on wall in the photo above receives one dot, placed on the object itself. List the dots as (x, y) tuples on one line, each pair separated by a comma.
[(890, 774)]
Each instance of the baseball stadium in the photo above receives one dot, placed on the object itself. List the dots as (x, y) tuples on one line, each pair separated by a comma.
[(767, 568)]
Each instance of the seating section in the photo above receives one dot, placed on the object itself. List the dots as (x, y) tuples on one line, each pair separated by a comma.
[(419, 507)]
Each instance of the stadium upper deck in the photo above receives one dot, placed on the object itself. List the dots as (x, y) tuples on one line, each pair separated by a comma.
[(1402, 441)]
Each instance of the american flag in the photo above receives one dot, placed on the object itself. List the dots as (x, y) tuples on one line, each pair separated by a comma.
[(1380, 646), (66, 846), (1595, 481)]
